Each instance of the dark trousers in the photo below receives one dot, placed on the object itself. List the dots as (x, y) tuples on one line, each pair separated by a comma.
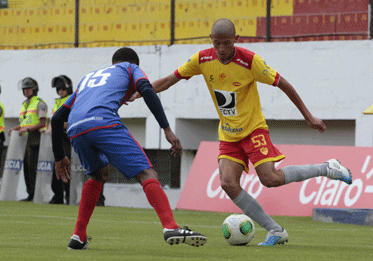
[(59, 187), (30, 164), (1, 154)]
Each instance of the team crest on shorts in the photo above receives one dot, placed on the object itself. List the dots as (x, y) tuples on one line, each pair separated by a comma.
[(264, 151)]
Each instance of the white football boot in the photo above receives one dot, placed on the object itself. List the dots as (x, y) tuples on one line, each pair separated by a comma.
[(334, 170), (275, 238)]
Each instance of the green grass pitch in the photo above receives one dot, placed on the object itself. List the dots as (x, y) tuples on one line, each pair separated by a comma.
[(31, 231)]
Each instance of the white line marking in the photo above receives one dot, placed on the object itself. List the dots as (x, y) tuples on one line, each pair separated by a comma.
[(143, 222)]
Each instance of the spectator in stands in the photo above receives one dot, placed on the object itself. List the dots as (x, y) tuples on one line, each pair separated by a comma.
[(33, 118), (231, 74), (2, 129), (99, 138)]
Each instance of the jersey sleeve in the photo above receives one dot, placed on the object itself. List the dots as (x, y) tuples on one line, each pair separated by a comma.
[(70, 101), (189, 68), (264, 73), (137, 74)]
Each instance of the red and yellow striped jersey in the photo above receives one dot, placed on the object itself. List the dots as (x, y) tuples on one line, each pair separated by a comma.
[(233, 89)]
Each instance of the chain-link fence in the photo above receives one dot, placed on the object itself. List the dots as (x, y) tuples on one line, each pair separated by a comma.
[(99, 23)]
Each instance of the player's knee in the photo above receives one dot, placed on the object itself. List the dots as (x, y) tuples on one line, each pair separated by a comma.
[(228, 186), (105, 177), (267, 183), (150, 182), (271, 179), (101, 176), (270, 182)]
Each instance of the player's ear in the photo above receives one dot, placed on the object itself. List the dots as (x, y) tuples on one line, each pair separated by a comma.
[(236, 38)]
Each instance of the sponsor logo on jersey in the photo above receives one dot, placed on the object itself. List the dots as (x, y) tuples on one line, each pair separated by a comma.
[(236, 83), (13, 164), (206, 57), (228, 128), (45, 166), (203, 59), (222, 77), (226, 102), (85, 120), (242, 62), (265, 71)]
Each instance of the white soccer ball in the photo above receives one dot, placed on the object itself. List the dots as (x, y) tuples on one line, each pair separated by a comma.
[(238, 229)]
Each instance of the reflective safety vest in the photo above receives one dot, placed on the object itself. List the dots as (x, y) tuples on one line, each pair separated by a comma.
[(2, 125), (28, 115), (58, 103)]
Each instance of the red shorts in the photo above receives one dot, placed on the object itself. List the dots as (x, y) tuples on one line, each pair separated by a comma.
[(257, 147)]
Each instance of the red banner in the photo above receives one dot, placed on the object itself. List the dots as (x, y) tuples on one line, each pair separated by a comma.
[(202, 189)]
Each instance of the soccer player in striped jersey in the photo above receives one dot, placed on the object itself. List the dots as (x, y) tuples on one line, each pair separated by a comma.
[(99, 138), (231, 74)]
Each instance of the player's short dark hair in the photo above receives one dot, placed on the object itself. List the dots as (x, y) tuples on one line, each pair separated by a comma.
[(125, 54)]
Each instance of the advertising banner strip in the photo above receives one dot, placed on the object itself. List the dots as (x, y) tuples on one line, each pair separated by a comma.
[(202, 189)]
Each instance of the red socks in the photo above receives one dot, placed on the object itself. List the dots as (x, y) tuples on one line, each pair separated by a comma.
[(154, 193), (90, 194), (159, 201)]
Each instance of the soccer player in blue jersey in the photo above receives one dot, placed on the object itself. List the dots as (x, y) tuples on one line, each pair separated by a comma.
[(99, 138)]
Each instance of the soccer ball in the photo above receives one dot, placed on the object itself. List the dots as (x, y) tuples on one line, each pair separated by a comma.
[(238, 229)]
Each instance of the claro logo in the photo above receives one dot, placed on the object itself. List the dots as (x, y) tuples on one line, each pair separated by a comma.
[(248, 182), (319, 191), (330, 192)]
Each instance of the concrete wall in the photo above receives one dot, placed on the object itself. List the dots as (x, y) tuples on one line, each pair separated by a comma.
[(333, 78)]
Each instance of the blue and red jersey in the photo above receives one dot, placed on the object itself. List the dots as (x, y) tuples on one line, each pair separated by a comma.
[(99, 96)]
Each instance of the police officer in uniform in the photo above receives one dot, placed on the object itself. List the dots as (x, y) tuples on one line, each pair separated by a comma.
[(2, 129), (33, 118), (64, 89)]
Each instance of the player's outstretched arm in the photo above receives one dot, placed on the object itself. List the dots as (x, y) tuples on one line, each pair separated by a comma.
[(165, 83), (154, 104), (289, 90), (158, 86)]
